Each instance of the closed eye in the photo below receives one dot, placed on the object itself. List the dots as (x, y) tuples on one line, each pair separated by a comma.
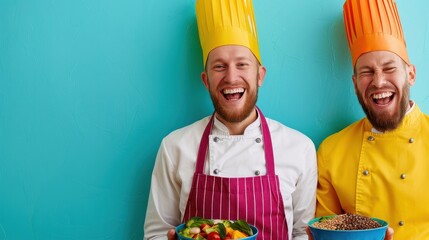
[(242, 65), (390, 69), (219, 67), (366, 73)]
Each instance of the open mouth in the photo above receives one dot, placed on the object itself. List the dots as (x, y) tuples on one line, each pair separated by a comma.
[(383, 98), (233, 93)]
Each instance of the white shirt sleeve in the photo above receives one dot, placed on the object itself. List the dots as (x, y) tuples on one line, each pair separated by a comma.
[(162, 215), (304, 197)]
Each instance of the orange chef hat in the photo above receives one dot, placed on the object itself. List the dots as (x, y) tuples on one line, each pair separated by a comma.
[(226, 22), (373, 25)]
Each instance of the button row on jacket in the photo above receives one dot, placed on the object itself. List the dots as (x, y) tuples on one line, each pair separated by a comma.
[(371, 138), (366, 173), (216, 139), (217, 171)]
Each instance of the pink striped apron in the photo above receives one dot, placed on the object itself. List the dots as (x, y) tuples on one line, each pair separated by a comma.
[(255, 199)]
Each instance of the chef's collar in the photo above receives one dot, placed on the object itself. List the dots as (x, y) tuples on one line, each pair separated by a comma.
[(408, 111), (252, 130)]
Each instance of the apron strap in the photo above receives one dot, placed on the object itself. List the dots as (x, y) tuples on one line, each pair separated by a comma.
[(204, 146), (268, 145), (266, 137)]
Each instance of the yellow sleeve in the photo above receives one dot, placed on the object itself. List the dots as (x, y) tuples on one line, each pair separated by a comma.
[(327, 200)]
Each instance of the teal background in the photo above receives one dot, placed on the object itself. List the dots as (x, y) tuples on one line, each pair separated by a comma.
[(89, 88)]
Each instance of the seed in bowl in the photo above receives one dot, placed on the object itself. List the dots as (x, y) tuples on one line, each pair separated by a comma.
[(346, 221)]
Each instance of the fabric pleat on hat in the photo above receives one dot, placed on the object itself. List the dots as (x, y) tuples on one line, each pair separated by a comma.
[(226, 22), (373, 25)]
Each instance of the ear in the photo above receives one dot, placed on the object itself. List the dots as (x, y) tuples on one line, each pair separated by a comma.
[(411, 74), (261, 75), (354, 79), (205, 79)]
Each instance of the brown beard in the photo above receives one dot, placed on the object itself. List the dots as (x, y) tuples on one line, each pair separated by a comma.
[(235, 116), (383, 121)]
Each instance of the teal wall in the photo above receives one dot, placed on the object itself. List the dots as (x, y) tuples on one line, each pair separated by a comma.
[(88, 88)]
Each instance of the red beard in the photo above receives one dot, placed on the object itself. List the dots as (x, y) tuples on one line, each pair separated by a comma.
[(384, 121)]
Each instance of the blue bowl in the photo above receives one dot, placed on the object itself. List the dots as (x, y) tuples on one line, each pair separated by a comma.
[(366, 234), (183, 225)]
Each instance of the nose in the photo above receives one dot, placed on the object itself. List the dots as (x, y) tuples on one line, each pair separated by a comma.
[(231, 74), (379, 79)]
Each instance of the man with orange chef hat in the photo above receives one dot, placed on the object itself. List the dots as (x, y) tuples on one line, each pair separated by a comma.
[(235, 164), (378, 165)]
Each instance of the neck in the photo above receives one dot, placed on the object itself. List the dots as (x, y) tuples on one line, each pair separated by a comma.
[(237, 128)]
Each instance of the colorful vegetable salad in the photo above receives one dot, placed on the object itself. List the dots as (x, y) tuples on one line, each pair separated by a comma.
[(201, 228)]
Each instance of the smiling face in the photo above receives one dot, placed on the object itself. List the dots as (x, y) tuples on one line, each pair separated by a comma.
[(233, 76), (382, 81)]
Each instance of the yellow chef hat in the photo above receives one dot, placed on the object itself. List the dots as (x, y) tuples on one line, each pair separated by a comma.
[(226, 22), (373, 25)]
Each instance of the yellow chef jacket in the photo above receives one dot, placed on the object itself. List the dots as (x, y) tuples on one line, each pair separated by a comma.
[(382, 175)]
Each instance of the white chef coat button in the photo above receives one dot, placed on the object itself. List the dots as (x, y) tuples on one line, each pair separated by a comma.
[(365, 172), (403, 176), (371, 138), (216, 171), (258, 140), (401, 223), (411, 140), (257, 172), (216, 139)]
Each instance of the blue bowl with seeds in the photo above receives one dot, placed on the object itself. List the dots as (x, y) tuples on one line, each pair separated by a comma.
[(347, 226)]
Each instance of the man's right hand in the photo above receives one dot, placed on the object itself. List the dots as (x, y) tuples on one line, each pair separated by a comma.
[(171, 235), (310, 236)]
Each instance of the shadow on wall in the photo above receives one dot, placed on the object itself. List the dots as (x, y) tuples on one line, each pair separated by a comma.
[(197, 102), (341, 107), (182, 84)]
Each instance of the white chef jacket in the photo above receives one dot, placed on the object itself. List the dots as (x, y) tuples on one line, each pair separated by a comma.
[(231, 156)]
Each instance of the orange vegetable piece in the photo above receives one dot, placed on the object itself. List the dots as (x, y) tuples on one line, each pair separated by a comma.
[(238, 234)]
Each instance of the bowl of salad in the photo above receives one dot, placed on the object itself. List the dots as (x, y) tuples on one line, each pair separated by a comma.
[(212, 229)]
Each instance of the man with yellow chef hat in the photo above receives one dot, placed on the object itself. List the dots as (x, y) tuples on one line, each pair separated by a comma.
[(235, 164), (378, 166)]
